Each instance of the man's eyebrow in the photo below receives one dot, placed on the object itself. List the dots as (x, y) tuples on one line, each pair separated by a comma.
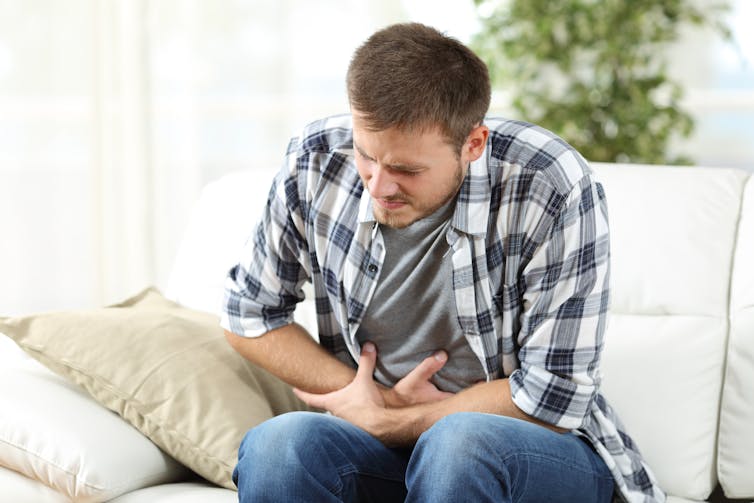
[(396, 166), (403, 167), (364, 154)]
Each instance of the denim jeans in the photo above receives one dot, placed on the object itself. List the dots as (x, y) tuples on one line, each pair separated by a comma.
[(304, 456)]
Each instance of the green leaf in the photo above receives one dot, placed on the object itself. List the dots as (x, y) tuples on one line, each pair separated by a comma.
[(593, 71)]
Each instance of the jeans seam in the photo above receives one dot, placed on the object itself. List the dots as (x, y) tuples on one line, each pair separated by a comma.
[(338, 490)]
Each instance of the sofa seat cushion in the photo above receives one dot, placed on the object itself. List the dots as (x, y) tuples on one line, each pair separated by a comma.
[(185, 492), (676, 499)]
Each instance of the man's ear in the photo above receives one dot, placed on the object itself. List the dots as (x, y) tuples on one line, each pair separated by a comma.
[(475, 143)]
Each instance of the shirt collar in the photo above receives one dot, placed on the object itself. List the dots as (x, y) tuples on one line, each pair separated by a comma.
[(366, 213), (473, 203)]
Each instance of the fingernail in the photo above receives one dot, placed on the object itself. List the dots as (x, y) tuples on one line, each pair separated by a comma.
[(369, 347), (440, 356)]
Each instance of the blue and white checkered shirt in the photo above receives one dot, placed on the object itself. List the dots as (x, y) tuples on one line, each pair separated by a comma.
[(530, 252)]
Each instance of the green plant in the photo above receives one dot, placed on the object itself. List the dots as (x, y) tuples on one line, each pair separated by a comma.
[(594, 71)]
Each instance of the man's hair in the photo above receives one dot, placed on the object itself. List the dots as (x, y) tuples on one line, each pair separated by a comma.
[(413, 77)]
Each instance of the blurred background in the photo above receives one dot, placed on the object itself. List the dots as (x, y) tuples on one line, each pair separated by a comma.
[(114, 114)]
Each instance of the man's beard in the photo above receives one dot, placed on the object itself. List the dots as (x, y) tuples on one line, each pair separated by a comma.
[(394, 220)]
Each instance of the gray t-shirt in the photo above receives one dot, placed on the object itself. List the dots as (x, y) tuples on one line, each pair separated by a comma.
[(413, 311)]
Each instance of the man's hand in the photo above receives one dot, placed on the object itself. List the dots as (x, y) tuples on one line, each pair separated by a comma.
[(416, 388), (360, 402), (364, 404)]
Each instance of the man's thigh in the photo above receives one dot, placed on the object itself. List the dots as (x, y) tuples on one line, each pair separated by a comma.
[(318, 456), (484, 457)]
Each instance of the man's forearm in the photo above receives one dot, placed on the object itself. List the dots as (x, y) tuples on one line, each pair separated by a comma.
[(291, 354), (403, 426)]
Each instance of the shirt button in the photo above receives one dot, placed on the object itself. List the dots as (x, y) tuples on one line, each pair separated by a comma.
[(372, 268)]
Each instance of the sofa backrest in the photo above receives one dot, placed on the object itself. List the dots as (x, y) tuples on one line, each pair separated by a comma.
[(736, 439), (674, 231), (221, 221)]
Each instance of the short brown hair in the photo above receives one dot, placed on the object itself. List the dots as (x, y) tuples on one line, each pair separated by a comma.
[(413, 77)]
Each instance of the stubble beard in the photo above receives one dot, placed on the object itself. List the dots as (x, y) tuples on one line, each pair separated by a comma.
[(393, 218)]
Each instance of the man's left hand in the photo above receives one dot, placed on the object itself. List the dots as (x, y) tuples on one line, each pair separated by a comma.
[(360, 402)]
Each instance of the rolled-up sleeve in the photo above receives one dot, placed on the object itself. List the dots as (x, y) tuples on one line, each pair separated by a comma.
[(565, 289), (262, 290)]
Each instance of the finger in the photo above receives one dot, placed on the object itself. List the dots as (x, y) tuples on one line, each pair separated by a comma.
[(427, 368), (367, 362), (318, 401)]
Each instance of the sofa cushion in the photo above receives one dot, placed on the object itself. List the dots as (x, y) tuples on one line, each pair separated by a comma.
[(736, 441), (166, 369), (673, 230), (675, 499), (184, 492), (663, 376), (221, 221), (20, 489), (53, 433)]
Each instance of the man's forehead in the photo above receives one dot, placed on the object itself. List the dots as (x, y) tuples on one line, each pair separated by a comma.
[(363, 122)]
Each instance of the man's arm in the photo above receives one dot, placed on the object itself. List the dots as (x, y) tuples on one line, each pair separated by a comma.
[(291, 354), (404, 426), (361, 403)]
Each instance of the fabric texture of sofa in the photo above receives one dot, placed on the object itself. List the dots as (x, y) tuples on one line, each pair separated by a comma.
[(678, 363)]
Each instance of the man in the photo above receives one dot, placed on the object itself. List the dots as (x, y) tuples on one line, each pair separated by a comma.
[(460, 267)]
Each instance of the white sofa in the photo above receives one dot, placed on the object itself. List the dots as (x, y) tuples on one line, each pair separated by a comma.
[(678, 364)]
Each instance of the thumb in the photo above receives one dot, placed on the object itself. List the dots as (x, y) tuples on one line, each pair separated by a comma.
[(312, 399), (367, 361), (428, 367)]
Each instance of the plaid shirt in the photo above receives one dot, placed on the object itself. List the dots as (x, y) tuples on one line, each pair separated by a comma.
[(530, 252)]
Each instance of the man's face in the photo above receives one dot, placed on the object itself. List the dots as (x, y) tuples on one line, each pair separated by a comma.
[(409, 175)]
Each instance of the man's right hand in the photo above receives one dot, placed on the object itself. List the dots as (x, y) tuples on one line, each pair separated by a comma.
[(416, 388)]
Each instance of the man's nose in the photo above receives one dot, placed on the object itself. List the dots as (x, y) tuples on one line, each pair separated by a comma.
[(381, 183)]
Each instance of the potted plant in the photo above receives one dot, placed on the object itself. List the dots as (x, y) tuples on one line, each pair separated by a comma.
[(595, 71)]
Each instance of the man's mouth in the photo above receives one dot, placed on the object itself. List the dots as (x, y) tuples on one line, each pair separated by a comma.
[(391, 204)]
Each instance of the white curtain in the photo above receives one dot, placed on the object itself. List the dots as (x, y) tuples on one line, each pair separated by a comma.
[(124, 195), (114, 113)]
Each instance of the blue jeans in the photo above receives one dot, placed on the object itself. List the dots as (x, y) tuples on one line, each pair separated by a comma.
[(304, 456)]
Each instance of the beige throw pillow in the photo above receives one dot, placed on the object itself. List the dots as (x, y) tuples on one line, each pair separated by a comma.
[(166, 369)]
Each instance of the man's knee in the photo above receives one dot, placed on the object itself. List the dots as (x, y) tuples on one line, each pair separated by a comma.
[(466, 431), (503, 457), (452, 457), (304, 456), (457, 439), (455, 433), (467, 441), (283, 434), (275, 443)]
